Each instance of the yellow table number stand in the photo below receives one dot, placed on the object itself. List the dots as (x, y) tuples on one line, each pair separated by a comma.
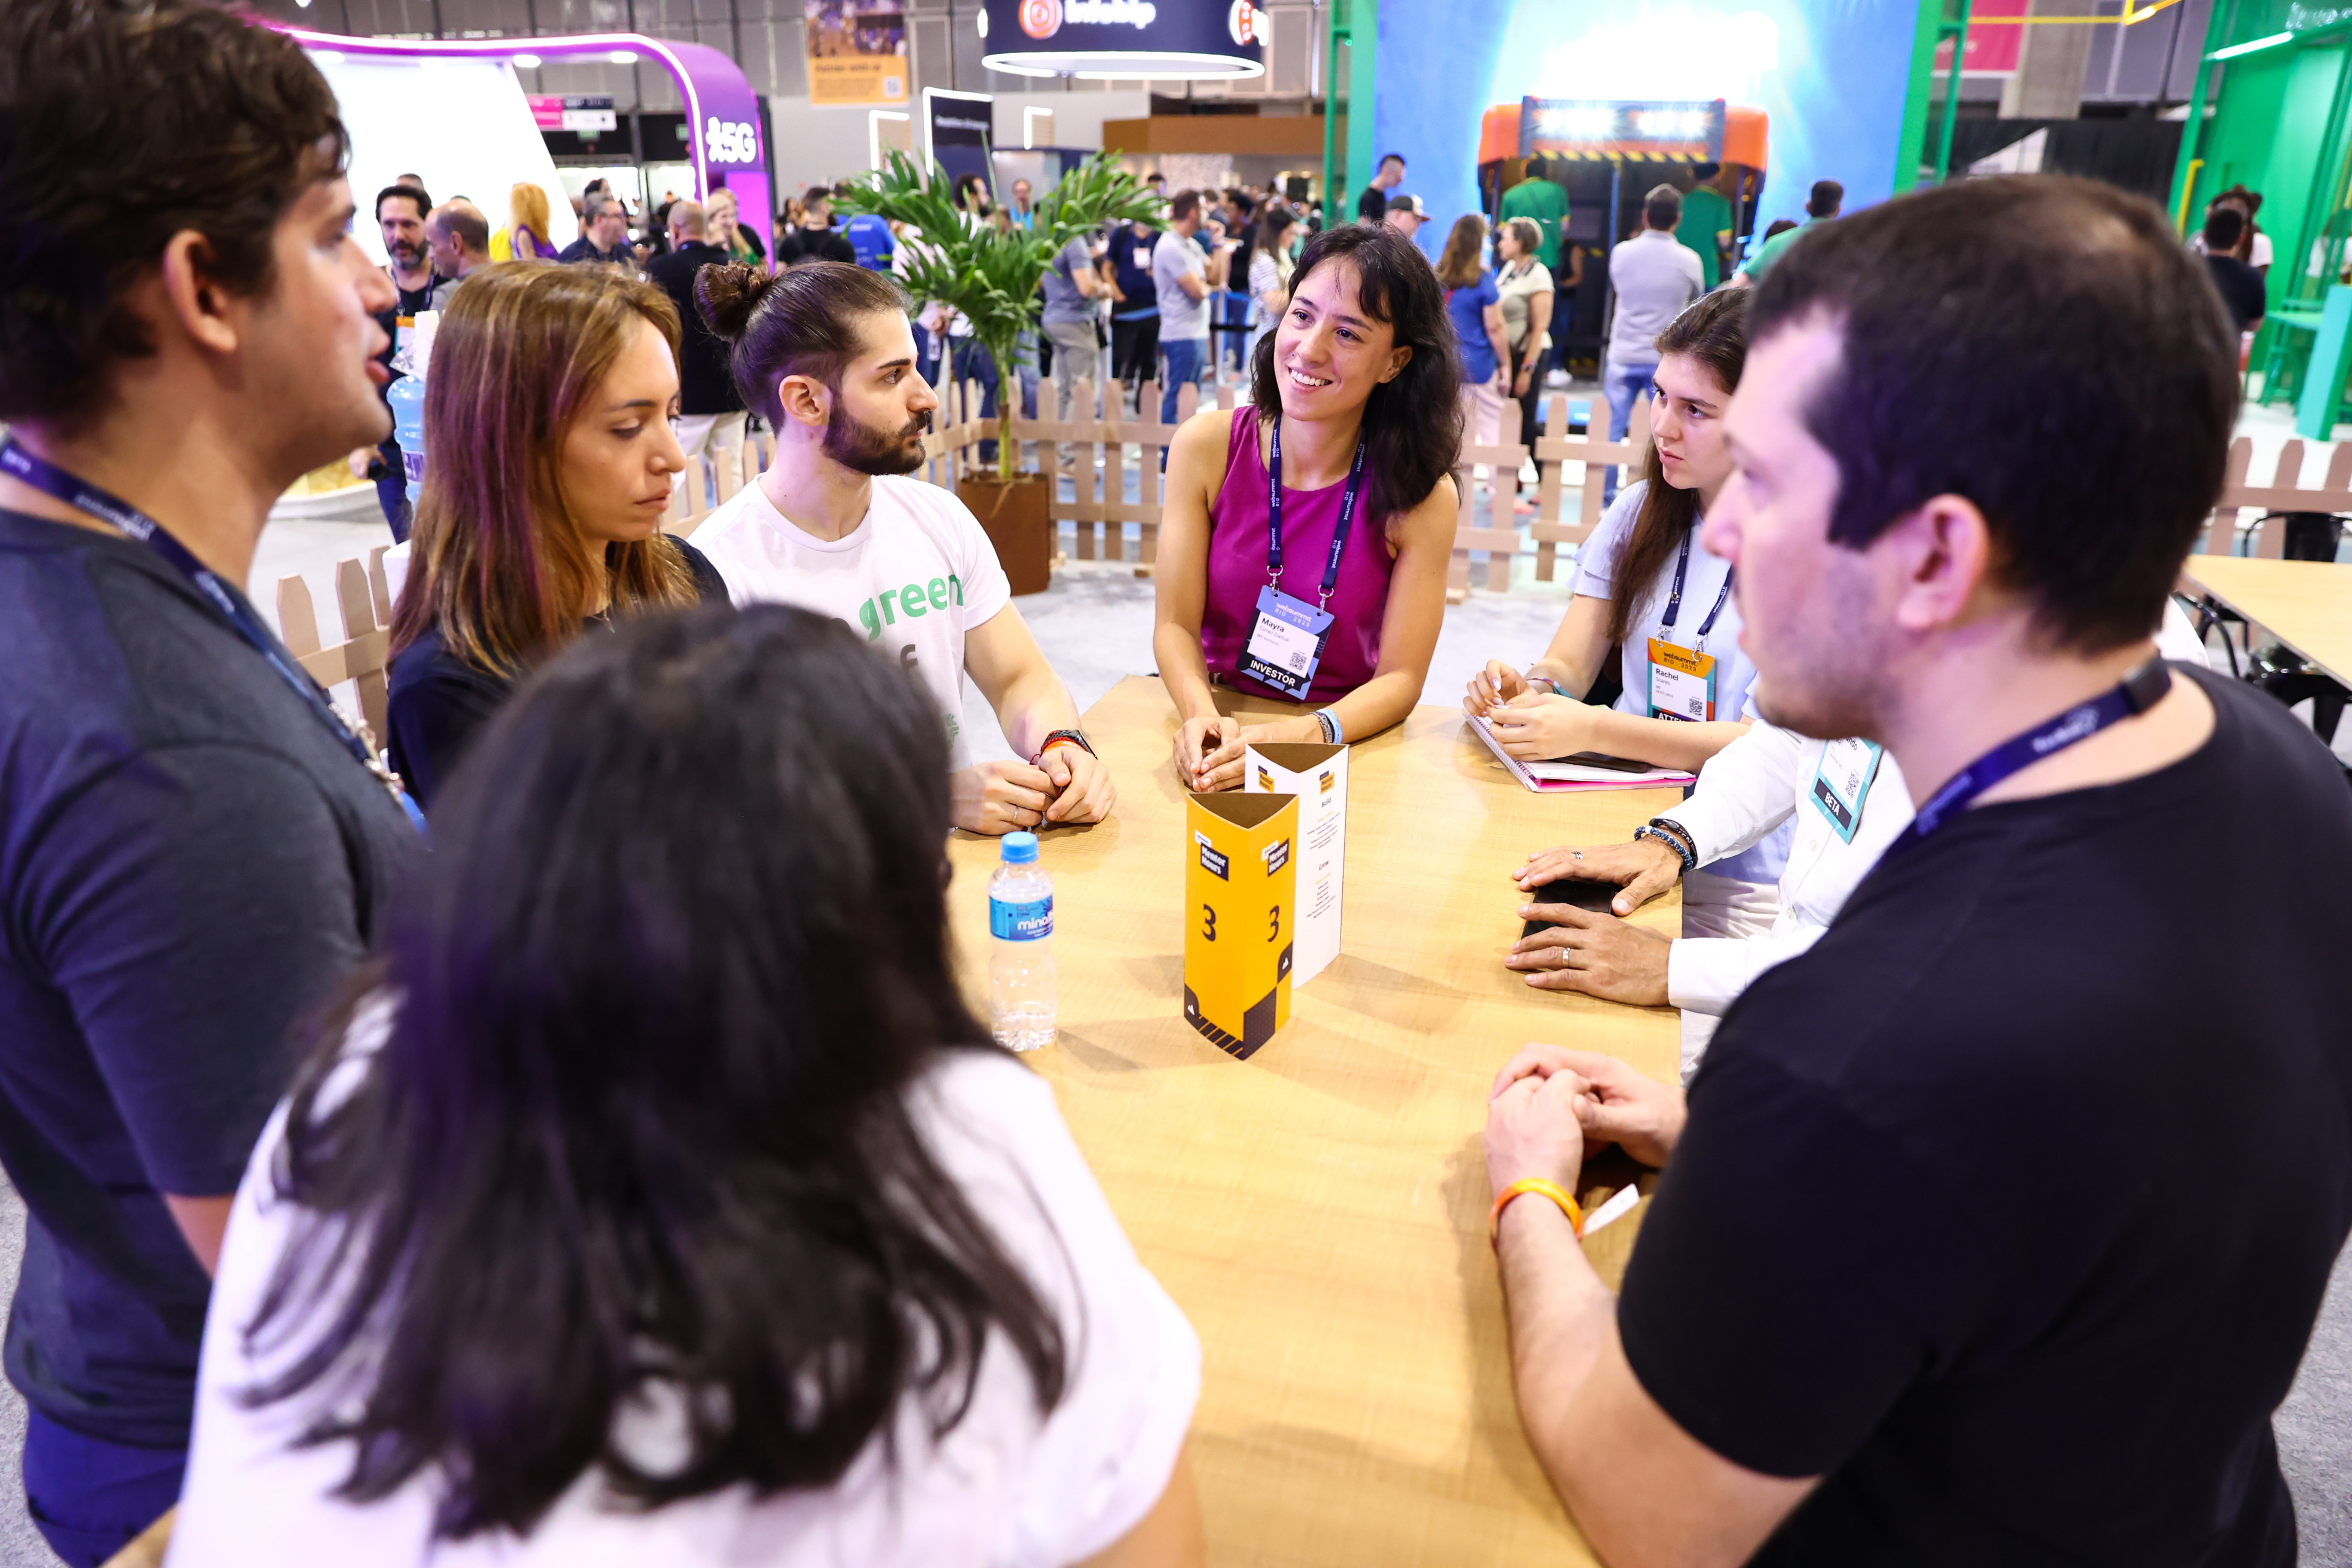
[(1318, 774), (1241, 881)]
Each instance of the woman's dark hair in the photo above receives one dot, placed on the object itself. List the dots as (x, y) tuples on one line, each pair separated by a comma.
[(1989, 323), (639, 1121), (804, 320), (1714, 332), (121, 124), (1779, 226), (1412, 425), (1278, 221)]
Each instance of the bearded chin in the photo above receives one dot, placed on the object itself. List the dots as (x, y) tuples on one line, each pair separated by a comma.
[(866, 450)]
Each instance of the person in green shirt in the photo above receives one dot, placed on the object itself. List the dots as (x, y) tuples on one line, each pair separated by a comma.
[(1540, 197), (1827, 198), (1706, 221)]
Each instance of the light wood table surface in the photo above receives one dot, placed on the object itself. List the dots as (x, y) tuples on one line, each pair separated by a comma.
[(1319, 1210), (2306, 605)]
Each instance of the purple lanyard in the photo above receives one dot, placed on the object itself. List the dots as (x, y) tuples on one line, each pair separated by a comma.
[(1273, 516), (83, 496), (1674, 599), (2140, 692)]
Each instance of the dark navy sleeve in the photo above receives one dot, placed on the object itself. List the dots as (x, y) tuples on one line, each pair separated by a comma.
[(191, 906)]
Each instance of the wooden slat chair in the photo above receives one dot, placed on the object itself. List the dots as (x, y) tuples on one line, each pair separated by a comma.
[(2284, 493)]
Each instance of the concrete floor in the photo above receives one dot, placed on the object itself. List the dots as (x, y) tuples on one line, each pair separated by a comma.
[(1094, 625)]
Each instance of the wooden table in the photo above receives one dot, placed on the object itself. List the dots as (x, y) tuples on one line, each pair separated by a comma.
[(1319, 1210), (2306, 605)]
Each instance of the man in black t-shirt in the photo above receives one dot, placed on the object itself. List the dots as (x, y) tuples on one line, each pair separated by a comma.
[(401, 211), (709, 409), (2240, 285), (813, 239), (191, 856), (1993, 1227), (1373, 201)]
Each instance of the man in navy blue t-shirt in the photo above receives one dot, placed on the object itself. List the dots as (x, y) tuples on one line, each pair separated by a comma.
[(1993, 1227), (192, 851)]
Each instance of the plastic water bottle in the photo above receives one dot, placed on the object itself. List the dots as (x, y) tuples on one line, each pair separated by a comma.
[(1021, 947), (406, 396)]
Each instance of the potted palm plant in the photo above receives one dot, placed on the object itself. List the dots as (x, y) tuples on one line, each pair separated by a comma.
[(991, 276)]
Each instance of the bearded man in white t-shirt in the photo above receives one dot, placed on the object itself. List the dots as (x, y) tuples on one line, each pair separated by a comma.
[(837, 524)]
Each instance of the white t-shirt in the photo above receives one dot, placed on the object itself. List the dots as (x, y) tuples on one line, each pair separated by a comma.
[(1596, 562), (1005, 1489), (915, 577)]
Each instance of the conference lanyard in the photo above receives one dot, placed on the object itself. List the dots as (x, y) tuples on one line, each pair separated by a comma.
[(2140, 692), (1273, 516), (1674, 599), (82, 496)]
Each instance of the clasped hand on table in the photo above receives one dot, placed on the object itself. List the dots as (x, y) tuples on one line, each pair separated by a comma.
[(1533, 726), (1598, 954), (1549, 1102), (1067, 785), (1209, 750)]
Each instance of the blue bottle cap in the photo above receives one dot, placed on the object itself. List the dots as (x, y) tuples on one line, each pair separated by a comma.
[(1020, 849)]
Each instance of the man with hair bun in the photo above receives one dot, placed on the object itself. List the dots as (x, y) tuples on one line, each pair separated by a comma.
[(824, 352), (196, 846)]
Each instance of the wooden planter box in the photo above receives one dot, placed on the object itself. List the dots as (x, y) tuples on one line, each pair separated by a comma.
[(1019, 524)]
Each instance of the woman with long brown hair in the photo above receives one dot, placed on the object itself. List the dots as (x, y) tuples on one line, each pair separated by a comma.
[(1475, 306), (1648, 586), (547, 414)]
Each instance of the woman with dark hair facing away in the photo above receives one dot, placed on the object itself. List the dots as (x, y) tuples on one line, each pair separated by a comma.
[(1648, 586), (839, 524), (1304, 537), (548, 416), (1475, 305), (654, 1197)]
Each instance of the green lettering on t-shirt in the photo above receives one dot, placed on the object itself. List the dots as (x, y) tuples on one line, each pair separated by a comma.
[(889, 611), (939, 592), (871, 621), (955, 584), (910, 600)]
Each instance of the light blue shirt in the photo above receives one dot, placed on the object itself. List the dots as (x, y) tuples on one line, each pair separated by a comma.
[(1596, 562)]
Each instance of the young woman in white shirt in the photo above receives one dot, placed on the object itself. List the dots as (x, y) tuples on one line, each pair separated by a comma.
[(655, 1199), (1648, 587)]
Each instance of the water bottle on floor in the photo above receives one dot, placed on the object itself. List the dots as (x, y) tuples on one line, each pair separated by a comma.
[(1021, 947)]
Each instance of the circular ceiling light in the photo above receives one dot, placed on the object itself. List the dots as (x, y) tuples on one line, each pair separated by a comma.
[(624, 57), (1127, 40), (527, 62)]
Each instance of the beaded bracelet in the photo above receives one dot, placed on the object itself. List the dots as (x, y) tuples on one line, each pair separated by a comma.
[(1666, 835)]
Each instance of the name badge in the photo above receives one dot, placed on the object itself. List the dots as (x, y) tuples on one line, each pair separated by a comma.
[(1287, 642), (1843, 781), (1143, 258), (1682, 683)]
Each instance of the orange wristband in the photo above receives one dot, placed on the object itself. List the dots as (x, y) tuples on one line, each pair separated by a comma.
[(1525, 1185)]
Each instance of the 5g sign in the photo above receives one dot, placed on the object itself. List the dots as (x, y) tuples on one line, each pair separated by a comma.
[(729, 141)]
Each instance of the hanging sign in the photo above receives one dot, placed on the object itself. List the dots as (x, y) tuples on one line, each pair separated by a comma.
[(856, 51)]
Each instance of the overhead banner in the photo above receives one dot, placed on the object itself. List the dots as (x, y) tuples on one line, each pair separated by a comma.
[(1644, 128), (857, 51), (1126, 40)]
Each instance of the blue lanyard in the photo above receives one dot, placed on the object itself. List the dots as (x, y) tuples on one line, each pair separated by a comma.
[(1273, 515), (2140, 690), (83, 496), (1674, 599)]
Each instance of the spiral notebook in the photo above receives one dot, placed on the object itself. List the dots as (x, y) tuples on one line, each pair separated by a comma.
[(1565, 775)]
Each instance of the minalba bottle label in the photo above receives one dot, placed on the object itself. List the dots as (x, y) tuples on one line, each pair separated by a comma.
[(1021, 922)]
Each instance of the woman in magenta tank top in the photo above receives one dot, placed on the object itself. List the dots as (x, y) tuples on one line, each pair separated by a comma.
[(1361, 382)]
